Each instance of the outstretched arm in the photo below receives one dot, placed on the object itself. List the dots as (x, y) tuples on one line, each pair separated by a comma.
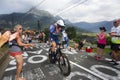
[(23, 44), (4, 38)]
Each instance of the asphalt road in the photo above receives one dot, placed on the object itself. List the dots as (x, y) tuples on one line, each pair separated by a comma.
[(83, 66)]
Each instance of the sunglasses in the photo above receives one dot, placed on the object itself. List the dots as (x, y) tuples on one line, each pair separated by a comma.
[(20, 28)]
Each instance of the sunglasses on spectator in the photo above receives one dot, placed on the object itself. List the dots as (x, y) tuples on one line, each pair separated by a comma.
[(20, 28)]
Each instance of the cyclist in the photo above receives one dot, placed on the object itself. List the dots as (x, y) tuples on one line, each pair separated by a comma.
[(55, 30)]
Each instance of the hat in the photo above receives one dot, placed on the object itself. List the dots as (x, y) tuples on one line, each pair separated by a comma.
[(118, 20), (102, 28), (60, 23)]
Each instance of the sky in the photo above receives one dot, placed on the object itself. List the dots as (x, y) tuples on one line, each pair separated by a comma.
[(73, 10)]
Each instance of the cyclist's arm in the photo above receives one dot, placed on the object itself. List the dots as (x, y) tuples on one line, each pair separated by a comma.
[(52, 29)]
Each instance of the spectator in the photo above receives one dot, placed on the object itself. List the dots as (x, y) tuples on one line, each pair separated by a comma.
[(76, 45), (47, 43), (80, 44), (101, 43), (4, 37), (40, 37), (65, 39), (37, 36), (29, 38), (115, 41), (24, 38), (43, 36), (16, 49)]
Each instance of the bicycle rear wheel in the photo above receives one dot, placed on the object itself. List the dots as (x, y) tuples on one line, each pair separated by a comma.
[(64, 64)]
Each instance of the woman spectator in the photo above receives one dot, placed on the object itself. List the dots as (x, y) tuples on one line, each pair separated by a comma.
[(101, 43), (16, 45)]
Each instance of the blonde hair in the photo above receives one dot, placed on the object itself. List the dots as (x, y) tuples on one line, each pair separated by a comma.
[(17, 26)]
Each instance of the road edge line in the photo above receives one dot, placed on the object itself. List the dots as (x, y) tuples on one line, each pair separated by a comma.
[(88, 70)]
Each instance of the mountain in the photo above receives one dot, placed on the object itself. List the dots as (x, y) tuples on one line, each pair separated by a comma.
[(28, 20), (94, 27), (31, 19)]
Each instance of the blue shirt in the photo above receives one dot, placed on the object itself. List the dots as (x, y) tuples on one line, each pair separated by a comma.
[(53, 30)]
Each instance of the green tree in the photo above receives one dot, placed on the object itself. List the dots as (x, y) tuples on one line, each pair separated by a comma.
[(71, 31), (108, 40), (46, 31)]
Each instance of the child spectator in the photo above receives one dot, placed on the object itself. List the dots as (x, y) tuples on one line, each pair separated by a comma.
[(101, 43)]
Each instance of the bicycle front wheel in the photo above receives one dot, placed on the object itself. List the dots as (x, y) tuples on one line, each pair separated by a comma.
[(64, 65)]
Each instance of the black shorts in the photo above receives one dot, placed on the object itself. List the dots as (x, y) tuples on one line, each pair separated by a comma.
[(102, 46), (80, 46), (115, 47)]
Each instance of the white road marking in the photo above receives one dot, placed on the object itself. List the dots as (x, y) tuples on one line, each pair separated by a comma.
[(31, 59), (35, 52), (117, 66), (10, 77), (108, 59), (12, 68), (88, 71), (95, 74), (76, 73), (110, 77)]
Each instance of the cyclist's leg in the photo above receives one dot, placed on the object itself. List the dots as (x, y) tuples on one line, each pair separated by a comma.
[(57, 45), (53, 43), (51, 53), (53, 46)]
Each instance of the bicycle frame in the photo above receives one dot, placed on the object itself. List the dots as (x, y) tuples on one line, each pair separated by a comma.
[(62, 60)]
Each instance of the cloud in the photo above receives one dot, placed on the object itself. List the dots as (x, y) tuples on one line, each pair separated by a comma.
[(94, 11), (9, 6), (90, 11)]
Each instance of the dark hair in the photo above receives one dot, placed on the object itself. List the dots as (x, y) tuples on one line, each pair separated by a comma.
[(115, 22), (102, 28)]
